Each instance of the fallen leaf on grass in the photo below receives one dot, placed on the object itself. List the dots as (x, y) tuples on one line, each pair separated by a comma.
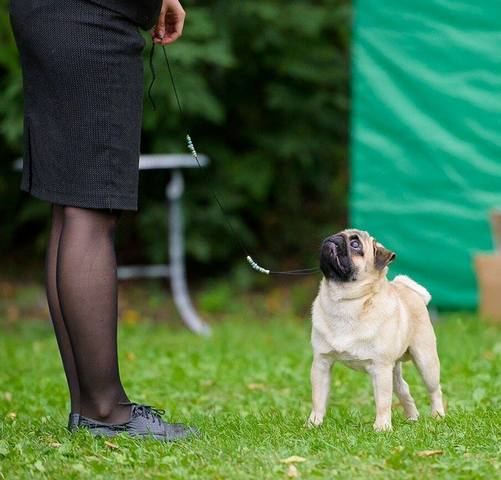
[(7, 396), (111, 445), (292, 471), (56, 445), (429, 453), (293, 459), (130, 356), (12, 415), (256, 386)]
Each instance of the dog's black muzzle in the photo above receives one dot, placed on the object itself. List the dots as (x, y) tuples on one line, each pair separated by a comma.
[(335, 261)]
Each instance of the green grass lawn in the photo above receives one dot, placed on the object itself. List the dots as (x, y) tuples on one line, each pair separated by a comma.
[(247, 390)]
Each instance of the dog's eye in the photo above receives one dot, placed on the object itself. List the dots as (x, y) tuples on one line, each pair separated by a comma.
[(355, 244)]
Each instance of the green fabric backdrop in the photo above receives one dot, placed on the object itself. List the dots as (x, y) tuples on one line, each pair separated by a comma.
[(426, 136)]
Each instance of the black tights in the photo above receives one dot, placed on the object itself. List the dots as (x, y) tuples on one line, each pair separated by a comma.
[(81, 284)]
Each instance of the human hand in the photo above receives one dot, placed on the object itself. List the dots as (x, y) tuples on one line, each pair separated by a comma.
[(170, 23)]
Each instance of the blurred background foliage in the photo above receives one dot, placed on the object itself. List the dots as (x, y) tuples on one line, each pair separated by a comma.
[(264, 87)]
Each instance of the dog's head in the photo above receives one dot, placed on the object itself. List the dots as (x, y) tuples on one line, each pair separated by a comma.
[(353, 255)]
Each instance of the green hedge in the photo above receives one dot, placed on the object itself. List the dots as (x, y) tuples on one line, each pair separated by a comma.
[(264, 86)]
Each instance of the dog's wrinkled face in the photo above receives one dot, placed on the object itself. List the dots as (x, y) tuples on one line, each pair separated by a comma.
[(353, 255)]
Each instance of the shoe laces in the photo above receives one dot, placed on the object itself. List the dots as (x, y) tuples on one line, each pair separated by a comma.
[(147, 411)]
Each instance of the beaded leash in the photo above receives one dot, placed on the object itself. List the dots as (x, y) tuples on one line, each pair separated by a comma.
[(191, 148)]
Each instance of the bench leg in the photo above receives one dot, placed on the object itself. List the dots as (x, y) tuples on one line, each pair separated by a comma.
[(174, 192)]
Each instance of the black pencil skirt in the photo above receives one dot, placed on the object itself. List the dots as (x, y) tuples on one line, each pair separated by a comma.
[(83, 96)]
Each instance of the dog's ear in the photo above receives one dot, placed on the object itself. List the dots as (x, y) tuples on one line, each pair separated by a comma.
[(382, 256)]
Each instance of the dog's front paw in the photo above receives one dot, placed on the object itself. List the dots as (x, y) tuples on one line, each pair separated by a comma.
[(315, 420), (382, 426)]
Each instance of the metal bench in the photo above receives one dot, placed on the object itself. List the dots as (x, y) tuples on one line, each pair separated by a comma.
[(175, 270)]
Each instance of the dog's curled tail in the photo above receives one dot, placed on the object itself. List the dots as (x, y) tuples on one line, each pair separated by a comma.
[(419, 289)]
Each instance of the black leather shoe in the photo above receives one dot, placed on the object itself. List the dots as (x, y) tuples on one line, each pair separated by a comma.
[(145, 422), (73, 421)]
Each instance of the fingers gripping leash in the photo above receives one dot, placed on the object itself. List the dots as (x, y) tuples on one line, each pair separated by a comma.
[(191, 148)]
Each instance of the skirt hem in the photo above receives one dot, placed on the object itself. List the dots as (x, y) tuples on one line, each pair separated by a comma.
[(108, 201)]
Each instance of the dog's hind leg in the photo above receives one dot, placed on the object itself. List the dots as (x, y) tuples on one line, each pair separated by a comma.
[(403, 393), (320, 387), (428, 365)]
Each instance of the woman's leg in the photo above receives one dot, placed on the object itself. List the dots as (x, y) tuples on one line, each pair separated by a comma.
[(87, 290), (63, 339)]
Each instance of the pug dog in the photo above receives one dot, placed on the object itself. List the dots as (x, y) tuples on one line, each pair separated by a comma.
[(371, 324)]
